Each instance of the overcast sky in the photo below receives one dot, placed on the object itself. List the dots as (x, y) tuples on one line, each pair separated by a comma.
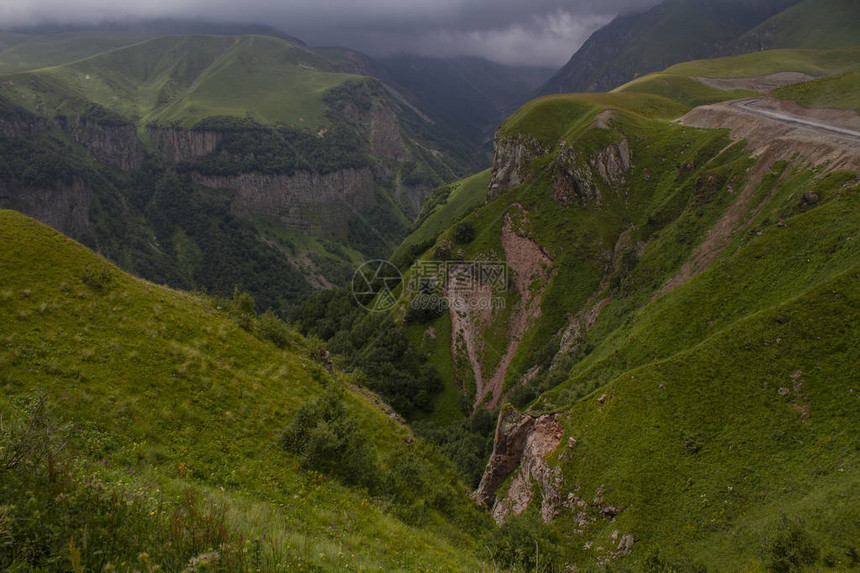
[(543, 32)]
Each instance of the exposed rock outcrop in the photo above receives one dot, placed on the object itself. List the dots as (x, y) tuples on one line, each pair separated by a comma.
[(183, 144), (523, 442), (576, 178), (305, 201), (114, 143), (511, 157), (63, 206), (471, 306), (16, 125), (384, 135)]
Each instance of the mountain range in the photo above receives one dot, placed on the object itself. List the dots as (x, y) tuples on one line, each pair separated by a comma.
[(266, 306)]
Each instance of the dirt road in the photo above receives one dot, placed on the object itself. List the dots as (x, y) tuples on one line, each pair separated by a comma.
[(753, 106)]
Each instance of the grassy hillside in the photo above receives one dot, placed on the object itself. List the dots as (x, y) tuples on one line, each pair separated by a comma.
[(715, 420), (813, 62), (633, 45), (155, 421), (446, 205), (838, 91), (737, 431), (267, 175), (681, 89), (744, 413), (19, 52), (680, 83), (552, 118), (180, 80), (818, 24)]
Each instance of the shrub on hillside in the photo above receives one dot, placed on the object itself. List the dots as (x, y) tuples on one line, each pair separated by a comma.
[(98, 277), (270, 327), (464, 233), (373, 344), (525, 542), (789, 547), (325, 438), (56, 516)]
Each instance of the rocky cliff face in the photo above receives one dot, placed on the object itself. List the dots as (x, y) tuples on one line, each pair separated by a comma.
[(511, 157), (183, 144), (305, 201), (577, 176), (522, 443), (17, 125), (113, 143), (116, 144), (384, 135), (63, 206)]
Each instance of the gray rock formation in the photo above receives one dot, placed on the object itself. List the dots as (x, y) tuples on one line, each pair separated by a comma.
[(305, 201), (522, 443), (511, 157)]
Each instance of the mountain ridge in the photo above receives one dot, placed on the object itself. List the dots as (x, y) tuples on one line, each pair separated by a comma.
[(634, 44)]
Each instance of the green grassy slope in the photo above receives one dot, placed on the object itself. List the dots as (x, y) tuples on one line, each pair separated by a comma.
[(705, 450), (679, 82), (171, 416), (19, 52), (813, 62), (681, 89), (734, 394), (276, 95), (446, 205), (838, 91), (818, 24), (756, 415), (183, 79), (551, 118)]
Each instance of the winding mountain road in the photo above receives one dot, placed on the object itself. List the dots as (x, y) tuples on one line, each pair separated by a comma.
[(748, 106)]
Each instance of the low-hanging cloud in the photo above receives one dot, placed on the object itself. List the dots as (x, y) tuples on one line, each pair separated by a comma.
[(542, 32)]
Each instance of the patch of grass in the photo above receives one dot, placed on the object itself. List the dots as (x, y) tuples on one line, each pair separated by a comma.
[(550, 117), (755, 454), (681, 89), (818, 24), (839, 91), (813, 62), (29, 52), (445, 206)]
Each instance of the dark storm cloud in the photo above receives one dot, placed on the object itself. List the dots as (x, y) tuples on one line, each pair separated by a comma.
[(513, 31)]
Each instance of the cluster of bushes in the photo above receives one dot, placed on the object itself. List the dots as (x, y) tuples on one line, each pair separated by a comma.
[(267, 326), (201, 244), (282, 150), (525, 543), (37, 161), (373, 344), (414, 483), (464, 233), (98, 277), (326, 438), (468, 443), (59, 514)]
